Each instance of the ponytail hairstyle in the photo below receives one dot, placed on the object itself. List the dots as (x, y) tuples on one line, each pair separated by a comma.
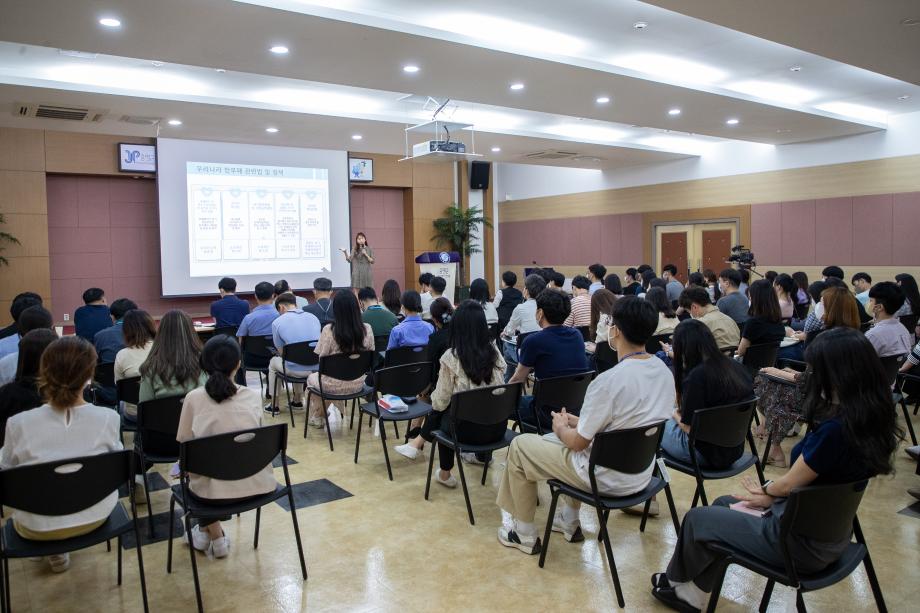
[(220, 357), (442, 311), (65, 368)]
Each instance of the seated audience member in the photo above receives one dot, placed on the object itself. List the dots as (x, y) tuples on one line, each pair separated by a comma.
[(92, 316), (322, 305), (839, 309), (109, 341), (412, 331), (695, 300), (282, 287), (697, 279), (667, 319), (21, 394), (852, 438), (9, 341), (507, 298), (381, 319), (786, 290), (908, 285), (33, 318), (673, 286), (442, 313), (887, 335), (140, 330), (704, 377), (745, 281), (479, 291), (424, 288), (712, 285), (813, 321), (862, 283), (172, 367), (639, 391), (228, 311), (647, 277), (258, 323), (596, 274), (218, 407), (643, 268), (523, 320), (581, 303), (612, 284), (291, 326), (801, 281), (764, 324), (633, 285), (555, 280), (832, 271), (601, 307), (555, 351), (436, 289), (64, 427), (471, 361), (390, 295), (733, 302), (770, 276), (834, 282), (347, 334)]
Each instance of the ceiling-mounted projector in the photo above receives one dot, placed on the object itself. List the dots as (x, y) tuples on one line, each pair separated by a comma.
[(431, 146)]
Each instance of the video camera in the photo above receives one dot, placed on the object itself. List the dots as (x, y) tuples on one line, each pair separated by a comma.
[(743, 256)]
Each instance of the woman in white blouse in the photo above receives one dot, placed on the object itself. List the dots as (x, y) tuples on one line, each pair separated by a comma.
[(139, 330), (64, 427), (479, 291), (601, 307)]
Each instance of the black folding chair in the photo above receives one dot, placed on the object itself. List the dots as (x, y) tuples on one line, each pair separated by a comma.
[(127, 391), (726, 426), (494, 331), (553, 394), (398, 356), (380, 342), (759, 356), (155, 441), (231, 456), (629, 451), (344, 367), (104, 377), (63, 487), (900, 396), (225, 331), (585, 333), (820, 514), (605, 357), (653, 345), (406, 381), (257, 353), (484, 406), (304, 355), (800, 310), (910, 322)]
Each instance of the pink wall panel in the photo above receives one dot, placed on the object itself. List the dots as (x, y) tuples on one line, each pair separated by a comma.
[(798, 233), (632, 240), (767, 232), (378, 212), (873, 230), (834, 241), (610, 241), (906, 229)]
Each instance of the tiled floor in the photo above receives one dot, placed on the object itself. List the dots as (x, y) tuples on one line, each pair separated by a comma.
[(386, 548)]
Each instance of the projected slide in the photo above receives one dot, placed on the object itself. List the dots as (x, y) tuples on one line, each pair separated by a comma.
[(245, 219)]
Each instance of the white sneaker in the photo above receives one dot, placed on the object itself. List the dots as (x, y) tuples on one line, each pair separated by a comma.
[(470, 458), (200, 540), (59, 563), (571, 531), (450, 482), (407, 450), (317, 422), (220, 547), (509, 538)]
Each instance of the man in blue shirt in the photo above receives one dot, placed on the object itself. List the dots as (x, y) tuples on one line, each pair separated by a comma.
[(93, 316), (291, 326), (229, 311), (258, 323), (596, 274), (555, 351), (322, 294), (111, 340), (9, 340), (413, 331)]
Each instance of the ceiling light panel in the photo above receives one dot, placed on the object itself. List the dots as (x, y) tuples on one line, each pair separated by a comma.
[(856, 111), (587, 132), (778, 92), (671, 68), (509, 33)]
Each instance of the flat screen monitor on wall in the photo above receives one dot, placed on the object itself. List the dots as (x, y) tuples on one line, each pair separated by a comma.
[(251, 212)]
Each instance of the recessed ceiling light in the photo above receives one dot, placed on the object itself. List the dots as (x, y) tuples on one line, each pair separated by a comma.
[(904, 97), (603, 100), (731, 122), (795, 68), (910, 22), (279, 49), (356, 137), (110, 22), (156, 64), (410, 68), (674, 112), (640, 25), (517, 86), (496, 149), (271, 130), (514, 33), (175, 122)]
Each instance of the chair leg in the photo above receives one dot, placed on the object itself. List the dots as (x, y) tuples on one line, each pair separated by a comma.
[(191, 551), (255, 540), (466, 494), (870, 569), (395, 430), (756, 418), (768, 445), (672, 509), (169, 546), (702, 491), (696, 497), (717, 589), (799, 602), (108, 546), (118, 545), (648, 504), (354, 403), (328, 431), (358, 439), (306, 418), (608, 550), (910, 426), (765, 599), (383, 441), (549, 527), (287, 392), (149, 508), (303, 563), (485, 470), (6, 582), (434, 448)]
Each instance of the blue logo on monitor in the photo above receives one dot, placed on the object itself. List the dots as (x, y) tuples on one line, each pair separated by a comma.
[(444, 257)]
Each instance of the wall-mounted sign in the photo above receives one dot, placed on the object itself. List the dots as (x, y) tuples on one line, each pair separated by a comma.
[(360, 169), (137, 158)]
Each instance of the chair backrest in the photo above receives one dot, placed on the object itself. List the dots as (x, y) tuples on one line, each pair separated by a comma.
[(760, 356), (399, 356), (226, 331), (494, 331), (346, 366), (381, 341), (653, 345), (585, 333), (65, 486), (232, 456), (257, 346), (726, 426), (406, 380), (605, 356), (892, 364), (160, 415), (302, 353), (568, 391), (127, 390), (800, 310), (105, 374), (910, 322), (822, 512), (486, 406), (627, 451)]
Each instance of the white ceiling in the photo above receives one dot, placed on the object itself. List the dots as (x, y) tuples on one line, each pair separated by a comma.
[(344, 70)]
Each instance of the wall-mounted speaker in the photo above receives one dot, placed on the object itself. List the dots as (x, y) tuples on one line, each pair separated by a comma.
[(479, 175)]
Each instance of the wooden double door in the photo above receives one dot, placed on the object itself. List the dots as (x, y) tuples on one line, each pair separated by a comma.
[(695, 247)]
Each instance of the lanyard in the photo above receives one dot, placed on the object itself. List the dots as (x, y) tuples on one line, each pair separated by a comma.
[(634, 353)]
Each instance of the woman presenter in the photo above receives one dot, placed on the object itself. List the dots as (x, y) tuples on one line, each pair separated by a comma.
[(361, 258)]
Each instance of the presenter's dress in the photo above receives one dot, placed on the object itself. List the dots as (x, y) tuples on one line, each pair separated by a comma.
[(361, 275)]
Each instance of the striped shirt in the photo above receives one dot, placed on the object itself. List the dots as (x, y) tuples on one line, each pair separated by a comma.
[(581, 312)]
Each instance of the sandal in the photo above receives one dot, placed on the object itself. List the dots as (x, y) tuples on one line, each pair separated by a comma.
[(660, 580)]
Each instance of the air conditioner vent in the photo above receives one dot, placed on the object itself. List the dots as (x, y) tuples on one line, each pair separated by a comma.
[(51, 111), (550, 155), (140, 121)]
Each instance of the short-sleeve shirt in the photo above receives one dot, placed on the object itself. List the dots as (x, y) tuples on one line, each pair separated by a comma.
[(889, 337), (295, 326), (827, 451), (723, 327), (758, 330), (555, 351), (734, 305), (412, 332), (109, 342), (382, 321), (229, 311), (673, 289), (633, 393), (91, 318), (258, 322)]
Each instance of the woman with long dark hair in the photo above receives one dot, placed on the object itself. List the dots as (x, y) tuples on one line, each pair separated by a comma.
[(346, 334), (601, 307), (361, 259), (908, 285), (765, 324), (472, 361), (647, 278), (703, 377), (221, 406), (173, 366), (442, 311), (139, 330), (21, 394), (852, 437), (786, 291), (612, 284), (801, 281), (667, 318), (390, 295), (479, 291)]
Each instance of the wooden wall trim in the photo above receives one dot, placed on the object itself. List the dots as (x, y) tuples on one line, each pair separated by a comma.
[(388, 170), (888, 175), (86, 154)]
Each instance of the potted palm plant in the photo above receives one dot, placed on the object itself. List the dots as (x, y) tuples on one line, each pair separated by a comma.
[(458, 230), (6, 237)]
